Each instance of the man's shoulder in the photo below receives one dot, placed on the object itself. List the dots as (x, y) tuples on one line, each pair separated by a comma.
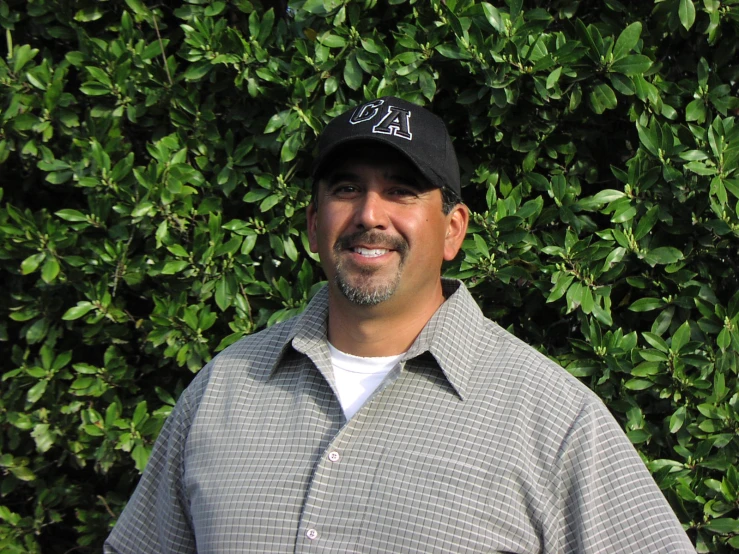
[(531, 368)]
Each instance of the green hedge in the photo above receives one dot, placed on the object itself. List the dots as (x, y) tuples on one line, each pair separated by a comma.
[(154, 168)]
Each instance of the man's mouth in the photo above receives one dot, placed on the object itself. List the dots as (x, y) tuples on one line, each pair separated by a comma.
[(370, 252), (371, 244)]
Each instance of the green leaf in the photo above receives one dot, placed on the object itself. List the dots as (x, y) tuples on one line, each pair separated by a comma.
[(269, 202), (290, 250), (23, 473), (31, 263), (178, 250), (602, 98), (624, 213), (493, 16), (89, 14), (686, 12), (59, 177), (560, 288), (140, 456), (75, 58), (223, 295), (453, 52), (315, 7), (36, 391), (170, 268), (50, 270), (23, 54), (646, 304), (553, 77), (663, 255), (515, 7), (608, 195), (71, 215), (694, 155), (139, 414), (142, 209), (37, 331), (93, 88), (656, 341), (291, 147), (331, 40), (649, 139), (677, 419), (352, 72), (632, 65), (139, 8), (43, 436), (627, 40), (214, 9), (724, 339), (75, 312), (255, 195), (99, 75), (481, 246), (653, 356), (646, 223), (722, 525), (681, 337), (153, 49), (197, 71), (638, 384), (638, 436), (696, 110)]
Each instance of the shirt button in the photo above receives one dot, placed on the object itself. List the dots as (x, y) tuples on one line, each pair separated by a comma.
[(312, 534), (334, 456)]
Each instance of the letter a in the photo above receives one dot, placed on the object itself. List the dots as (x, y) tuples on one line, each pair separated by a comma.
[(396, 122)]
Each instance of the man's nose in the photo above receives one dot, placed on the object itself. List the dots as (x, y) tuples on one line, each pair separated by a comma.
[(371, 211)]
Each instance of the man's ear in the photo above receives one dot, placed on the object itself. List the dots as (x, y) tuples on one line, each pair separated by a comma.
[(457, 221), (312, 217)]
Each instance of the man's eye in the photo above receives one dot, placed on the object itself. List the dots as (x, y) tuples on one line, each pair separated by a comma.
[(344, 189), (403, 191)]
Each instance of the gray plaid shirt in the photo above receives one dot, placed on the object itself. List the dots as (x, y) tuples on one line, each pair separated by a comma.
[(475, 443)]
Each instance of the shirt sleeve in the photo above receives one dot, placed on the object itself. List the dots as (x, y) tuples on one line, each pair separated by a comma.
[(156, 518), (610, 501)]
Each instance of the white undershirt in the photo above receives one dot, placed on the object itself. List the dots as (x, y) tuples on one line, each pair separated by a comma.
[(357, 377)]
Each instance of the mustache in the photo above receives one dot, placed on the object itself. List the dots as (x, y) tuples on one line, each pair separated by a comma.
[(375, 238)]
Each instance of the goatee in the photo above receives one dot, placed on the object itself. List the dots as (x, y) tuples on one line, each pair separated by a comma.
[(365, 292)]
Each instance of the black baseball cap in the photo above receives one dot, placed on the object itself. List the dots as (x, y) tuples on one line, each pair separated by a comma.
[(412, 130)]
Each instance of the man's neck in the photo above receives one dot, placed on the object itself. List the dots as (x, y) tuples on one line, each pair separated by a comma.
[(387, 329)]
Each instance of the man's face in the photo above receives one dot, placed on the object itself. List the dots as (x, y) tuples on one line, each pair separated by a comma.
[(379, 228)]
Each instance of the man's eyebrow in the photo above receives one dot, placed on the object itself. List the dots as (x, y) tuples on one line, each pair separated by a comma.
[(341, 176)]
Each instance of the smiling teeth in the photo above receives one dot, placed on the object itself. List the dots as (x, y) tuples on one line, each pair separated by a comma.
[(370, 252)]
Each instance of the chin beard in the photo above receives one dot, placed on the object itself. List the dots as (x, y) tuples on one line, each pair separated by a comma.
[(366, 294)]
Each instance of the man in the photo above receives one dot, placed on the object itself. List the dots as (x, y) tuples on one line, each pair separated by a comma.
[(391, 416)]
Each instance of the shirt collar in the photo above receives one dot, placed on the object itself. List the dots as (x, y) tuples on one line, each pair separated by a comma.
[(452, 335)]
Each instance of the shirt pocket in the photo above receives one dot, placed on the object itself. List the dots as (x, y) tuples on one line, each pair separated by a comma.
[(426, 502)]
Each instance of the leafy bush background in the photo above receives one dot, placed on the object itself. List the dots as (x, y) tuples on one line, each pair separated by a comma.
[(154, 165)]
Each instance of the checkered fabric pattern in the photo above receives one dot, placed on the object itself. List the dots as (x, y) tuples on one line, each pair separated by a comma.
[(475, 443)]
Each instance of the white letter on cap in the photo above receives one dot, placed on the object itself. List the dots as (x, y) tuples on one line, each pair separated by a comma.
[(366, 112), (396, 122)]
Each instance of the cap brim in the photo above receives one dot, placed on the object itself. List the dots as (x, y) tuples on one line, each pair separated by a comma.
[(320, 162)]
